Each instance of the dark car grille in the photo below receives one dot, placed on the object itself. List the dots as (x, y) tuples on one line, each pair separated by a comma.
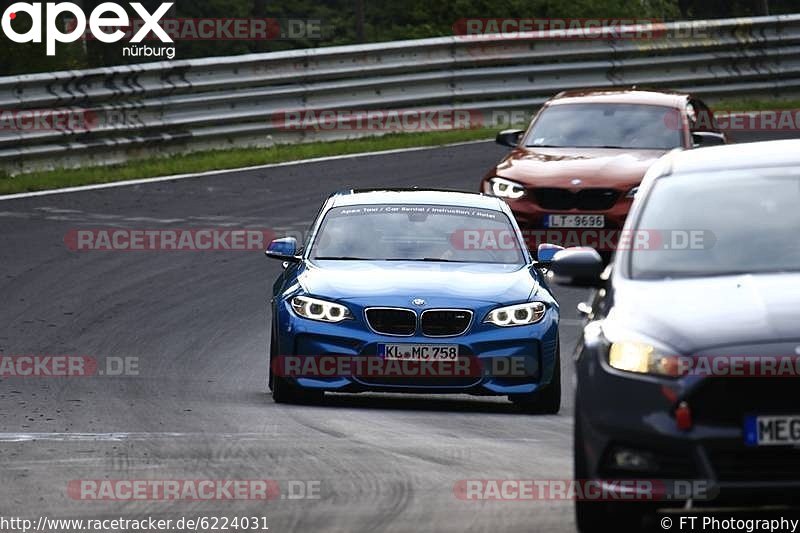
[(392, 321), (774, 464), (726, 401), (445, 322), (586, 199)]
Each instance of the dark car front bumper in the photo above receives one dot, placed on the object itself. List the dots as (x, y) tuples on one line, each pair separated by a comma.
[(619, 412)]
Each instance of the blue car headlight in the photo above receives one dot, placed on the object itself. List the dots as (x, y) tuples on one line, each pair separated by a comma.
[(517, 315), (322, 310)]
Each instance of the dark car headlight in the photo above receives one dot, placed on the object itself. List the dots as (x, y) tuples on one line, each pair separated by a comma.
[(322, 310), (517, 315), (505, 188), (644, 358)]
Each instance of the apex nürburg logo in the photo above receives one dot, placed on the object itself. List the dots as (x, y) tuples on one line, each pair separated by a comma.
[(102, 23)]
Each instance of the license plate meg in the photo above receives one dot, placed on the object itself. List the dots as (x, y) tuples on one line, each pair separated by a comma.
[(772, 430)]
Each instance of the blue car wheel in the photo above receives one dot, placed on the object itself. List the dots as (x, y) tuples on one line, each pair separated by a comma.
[(282, 390), (546, 400)]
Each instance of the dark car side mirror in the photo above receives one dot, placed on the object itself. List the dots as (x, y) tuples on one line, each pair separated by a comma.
[(702, 139), (509, 138), (577, 267), (283, 249)]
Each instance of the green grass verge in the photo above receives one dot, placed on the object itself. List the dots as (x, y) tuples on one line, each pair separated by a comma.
[(744, 104), (243, 157), (228, 159)]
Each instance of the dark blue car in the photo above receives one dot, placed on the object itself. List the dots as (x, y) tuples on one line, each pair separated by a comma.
[(688, 369), (413, 291)]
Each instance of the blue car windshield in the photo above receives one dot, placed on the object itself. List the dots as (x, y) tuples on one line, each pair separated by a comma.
[(601, 125), (719, 223), (392, 232)]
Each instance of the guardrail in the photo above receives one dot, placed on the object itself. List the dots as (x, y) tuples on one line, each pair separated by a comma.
[(216, 103)]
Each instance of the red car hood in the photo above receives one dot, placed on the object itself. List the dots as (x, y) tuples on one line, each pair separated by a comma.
[(595, 167)]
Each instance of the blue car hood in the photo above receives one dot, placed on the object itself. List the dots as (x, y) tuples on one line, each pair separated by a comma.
[(437, 283)]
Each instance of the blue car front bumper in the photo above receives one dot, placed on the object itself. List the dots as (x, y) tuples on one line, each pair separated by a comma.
[(486, 346)]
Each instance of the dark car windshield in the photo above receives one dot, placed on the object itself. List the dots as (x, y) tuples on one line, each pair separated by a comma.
[(602, 125), (417, 233), (721, 223)]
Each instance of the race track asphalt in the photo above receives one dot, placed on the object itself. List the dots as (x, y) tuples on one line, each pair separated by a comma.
[(197, 324)]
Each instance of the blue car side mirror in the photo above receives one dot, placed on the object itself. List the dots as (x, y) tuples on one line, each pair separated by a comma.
[(546, 251), (284, 249)]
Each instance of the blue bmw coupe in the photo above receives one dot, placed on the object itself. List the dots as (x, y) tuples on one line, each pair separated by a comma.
[(421, 291)]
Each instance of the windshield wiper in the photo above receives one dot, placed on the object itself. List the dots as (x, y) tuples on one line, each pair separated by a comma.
[(681, 274), (615, 147), (432, 259), (545, 146), (611, 146), (410, 259), (341, 258)]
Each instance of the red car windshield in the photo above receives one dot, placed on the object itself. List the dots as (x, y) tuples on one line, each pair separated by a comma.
[(601, 125)]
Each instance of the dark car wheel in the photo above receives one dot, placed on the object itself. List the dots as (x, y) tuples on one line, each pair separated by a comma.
[(547, 400), (282, 390), (590, 517)]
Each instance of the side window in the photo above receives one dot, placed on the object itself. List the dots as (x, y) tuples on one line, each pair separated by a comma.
[(703, 116)]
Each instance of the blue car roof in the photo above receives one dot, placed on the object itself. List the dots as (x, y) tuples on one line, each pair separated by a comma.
[(416, 196)]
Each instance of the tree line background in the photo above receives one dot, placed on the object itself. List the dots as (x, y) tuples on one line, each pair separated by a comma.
[(355, 21)]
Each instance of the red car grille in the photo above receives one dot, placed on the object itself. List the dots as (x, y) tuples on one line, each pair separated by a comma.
[(586, 199)]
